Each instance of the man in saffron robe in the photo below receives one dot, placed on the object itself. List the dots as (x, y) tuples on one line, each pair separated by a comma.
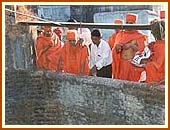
[(47, 49), (83, 35), (55, 51), (111, 42), (127, 43), (112, 38), (155, 67), (74, 56)]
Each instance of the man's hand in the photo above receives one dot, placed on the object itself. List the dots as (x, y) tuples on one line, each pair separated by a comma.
[(118, 48), (47, 47), (52, 43), (144, 61), (81, 40), (93, 71)]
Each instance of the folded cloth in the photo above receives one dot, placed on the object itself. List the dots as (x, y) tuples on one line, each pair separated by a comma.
[(141, 56)]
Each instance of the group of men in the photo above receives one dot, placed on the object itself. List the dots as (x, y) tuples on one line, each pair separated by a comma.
[(126, 55)]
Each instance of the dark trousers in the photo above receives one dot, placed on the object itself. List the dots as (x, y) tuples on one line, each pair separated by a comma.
[(105, 71)]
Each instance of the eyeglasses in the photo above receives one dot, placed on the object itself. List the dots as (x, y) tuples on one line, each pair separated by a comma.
[(72, 41), (129, 23)]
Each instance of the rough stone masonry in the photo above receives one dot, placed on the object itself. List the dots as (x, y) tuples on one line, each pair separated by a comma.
[(51, 98)]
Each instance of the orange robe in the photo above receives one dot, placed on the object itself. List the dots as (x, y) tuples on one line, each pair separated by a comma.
[(123, 69), (41, 60), (115, 64), (111, 40), (155, 69), (85, 60), (55, 56), (74, 59), (48, 59)]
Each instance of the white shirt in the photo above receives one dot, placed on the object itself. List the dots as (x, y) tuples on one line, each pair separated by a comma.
[(100, 56)]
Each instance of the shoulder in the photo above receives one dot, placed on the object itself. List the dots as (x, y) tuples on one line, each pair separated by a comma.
[(40, 37), (140, 33), (92, 45), (41, 40), (104, 43), (120, 33), (66, 44), (160, 44), (84, 47)]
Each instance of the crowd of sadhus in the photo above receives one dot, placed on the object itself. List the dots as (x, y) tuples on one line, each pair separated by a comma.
[(126, 55)]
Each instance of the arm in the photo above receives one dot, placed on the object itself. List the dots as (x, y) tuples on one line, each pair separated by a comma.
[(159, 61), (60, 64), (47, 47), (63, 57), (82, 67), (41, 48), (92, 57), (93, 71), (83, 59), (92, 62), (141, 43)]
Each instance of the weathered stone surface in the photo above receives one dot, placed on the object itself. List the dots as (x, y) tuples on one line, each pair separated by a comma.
[(40, 97)]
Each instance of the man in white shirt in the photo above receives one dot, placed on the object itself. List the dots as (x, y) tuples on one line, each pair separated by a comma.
[(100, 56)]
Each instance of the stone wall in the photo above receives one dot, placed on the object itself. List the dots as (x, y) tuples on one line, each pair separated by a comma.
[(50, 98)]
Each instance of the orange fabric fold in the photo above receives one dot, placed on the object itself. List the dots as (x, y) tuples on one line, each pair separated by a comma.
[(155, 69), (50, 58)]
